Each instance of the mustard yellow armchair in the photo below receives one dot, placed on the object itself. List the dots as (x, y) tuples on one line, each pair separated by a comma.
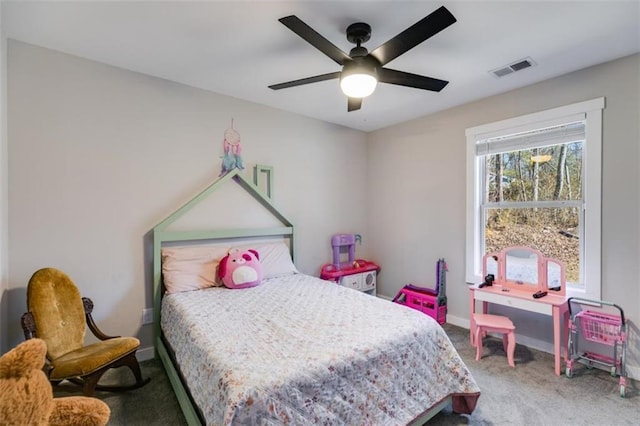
[(57, 314)]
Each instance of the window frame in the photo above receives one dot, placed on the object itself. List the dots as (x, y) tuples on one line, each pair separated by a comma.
[(591, 208)]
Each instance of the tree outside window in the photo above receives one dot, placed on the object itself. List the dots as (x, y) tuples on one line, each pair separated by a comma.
[(533, 198)]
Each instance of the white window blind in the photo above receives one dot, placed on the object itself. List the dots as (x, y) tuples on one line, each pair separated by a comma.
[(560, 134)]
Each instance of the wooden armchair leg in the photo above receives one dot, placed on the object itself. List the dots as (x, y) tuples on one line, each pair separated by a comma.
[(90, 382), (131, 362)]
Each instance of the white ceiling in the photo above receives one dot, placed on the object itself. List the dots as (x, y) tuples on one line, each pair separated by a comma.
[(238, 48)]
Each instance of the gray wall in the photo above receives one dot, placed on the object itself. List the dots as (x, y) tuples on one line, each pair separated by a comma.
[(4, 285), (417, 192), (99, 155)]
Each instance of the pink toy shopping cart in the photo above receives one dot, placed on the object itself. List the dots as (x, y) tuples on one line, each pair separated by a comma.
[(597, 337)]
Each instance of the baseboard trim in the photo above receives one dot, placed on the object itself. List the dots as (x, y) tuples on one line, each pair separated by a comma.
[(460, 322), (145, 354), (633, 373)]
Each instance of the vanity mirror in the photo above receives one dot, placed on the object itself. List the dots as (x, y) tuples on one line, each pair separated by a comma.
[(555, 276), (525, 268), (522, 268), (490, 265)]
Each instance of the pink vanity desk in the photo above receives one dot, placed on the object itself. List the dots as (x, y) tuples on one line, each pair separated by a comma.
[(509, 290)]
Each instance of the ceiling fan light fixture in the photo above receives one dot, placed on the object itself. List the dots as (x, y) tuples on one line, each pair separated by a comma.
[(358, 85), (358, 78)]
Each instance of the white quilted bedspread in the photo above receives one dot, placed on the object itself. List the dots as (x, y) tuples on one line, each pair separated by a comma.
[(299, 350)]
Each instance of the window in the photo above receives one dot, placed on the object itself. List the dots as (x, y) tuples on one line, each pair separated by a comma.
[(535, 181)]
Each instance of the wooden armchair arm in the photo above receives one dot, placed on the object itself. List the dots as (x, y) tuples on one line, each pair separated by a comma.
[(88, 308), (29, 329), (28, 325)]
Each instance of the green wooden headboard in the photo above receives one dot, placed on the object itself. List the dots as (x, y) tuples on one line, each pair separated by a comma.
[(161, 235)]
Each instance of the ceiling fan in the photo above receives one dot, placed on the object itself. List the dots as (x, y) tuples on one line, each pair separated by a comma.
[(361, 70)]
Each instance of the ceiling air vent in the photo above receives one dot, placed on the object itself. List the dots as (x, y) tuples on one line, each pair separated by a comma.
[(511, 68)]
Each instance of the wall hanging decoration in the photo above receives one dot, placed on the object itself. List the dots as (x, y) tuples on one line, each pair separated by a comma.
[(231, 158)]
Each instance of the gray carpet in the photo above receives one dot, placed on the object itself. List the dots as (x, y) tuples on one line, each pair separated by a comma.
[(529, 394)]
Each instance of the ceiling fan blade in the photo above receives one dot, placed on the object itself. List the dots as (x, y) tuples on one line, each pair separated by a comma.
[(354, 104), (401, 78), (414, 35), (312, 37), (314, 79)]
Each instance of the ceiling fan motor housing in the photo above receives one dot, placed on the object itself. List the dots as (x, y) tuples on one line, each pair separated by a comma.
[(358, 33)]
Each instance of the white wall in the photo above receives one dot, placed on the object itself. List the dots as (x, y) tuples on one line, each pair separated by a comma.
[(99, 155), (4, 285), (417, 191)]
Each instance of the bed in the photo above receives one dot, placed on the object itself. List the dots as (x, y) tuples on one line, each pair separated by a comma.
[(295, 349)]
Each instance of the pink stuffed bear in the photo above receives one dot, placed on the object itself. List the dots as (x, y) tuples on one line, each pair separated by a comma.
[(240, 269)]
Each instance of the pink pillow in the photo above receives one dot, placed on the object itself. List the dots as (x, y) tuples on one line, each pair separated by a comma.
[(240, 269), (190, 268)]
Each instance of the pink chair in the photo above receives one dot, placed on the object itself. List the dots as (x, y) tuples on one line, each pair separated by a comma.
[(496, 323)]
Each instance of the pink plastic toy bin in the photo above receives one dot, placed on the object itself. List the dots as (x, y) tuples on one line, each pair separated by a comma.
[(423, 302)]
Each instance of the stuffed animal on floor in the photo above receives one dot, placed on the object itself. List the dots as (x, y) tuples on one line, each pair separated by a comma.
[(240, 269), (26, 396)]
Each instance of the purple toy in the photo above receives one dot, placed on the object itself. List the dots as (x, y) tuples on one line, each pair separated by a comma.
[(348, 241)]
